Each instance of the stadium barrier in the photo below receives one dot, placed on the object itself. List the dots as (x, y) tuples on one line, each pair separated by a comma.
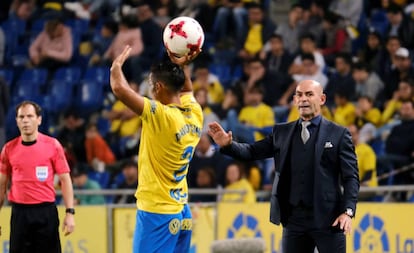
[(377, 227)]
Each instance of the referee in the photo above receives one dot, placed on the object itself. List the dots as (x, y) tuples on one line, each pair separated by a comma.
[(31, 161)]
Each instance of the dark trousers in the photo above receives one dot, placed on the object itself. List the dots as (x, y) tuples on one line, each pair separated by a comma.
[(34, 229), (302, 236)]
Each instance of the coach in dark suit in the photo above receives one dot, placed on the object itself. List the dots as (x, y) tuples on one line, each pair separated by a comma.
[(316, 182)]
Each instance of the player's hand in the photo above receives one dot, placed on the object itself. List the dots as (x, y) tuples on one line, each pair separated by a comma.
[(185, 59), (120, 59), (344, 222), (218, 134), (68, 224)]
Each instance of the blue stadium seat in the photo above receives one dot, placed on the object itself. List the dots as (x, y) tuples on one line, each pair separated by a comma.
[(36, 75), (68, 74), (78, 26), (8, 75), (89, 97), (27, 90), (98, 74), (223, 72), (37, 26), (60, 94)]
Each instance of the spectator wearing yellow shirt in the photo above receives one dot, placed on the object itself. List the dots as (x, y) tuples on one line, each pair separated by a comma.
[(236, 180), (256, 32), (368, 118), (255, 119), (206, 80), (367, 159), (201, 95), (404, 92), (344, 112), (125, 125)]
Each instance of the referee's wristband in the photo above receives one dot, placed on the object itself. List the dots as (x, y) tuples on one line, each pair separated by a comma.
[(70, 210)]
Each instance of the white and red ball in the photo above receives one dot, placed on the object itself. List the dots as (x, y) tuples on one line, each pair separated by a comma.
[(183, 35)]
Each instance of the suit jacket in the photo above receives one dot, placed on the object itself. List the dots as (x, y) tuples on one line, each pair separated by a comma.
[(335, 166)]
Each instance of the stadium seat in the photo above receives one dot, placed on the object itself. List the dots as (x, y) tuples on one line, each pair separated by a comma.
[(11, 129), (60, 93), (78, 26), (35, 75), (223, 72), (97, 74), (27, 90), (8, 75), (89, 97), (68, 74)]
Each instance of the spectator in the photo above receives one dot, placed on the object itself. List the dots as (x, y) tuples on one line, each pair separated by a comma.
[(233, 100), (128, 34), (129, 172), (53, 47), (22, 9), (387, 58), (371, 51), (336, 38), (255, 118), (291, 30), (125, 125), (208, 81), (367, 82), (206, 179), (81, 181), (206, 155), (307, 46), (102, 40), (236, 180), (405, 92), (151, 35), (350, 10), (255, 33), (72, 135), (309, 70), (277, 59), (400, 25), (341, 80), (366, 159), (98, 153), (201, 96), (399, 145), (368, 118), (344, 111), (313, 20), (235, 12), (402, 70)]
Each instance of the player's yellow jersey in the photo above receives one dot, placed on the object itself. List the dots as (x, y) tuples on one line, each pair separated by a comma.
[(168, 139)]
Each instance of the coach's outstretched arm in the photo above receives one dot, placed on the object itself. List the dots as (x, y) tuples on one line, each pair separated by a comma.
[(120, 86)]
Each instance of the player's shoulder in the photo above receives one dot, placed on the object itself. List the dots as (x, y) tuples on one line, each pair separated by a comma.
[(13, 143)]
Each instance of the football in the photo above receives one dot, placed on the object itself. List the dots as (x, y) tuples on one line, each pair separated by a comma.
[(183, 35)]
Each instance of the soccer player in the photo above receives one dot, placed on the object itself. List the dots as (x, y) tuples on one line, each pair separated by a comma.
[(171, 128), (31, 162)]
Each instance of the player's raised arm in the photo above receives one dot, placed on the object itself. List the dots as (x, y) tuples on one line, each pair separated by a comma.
[(183, 62), (120, 86)]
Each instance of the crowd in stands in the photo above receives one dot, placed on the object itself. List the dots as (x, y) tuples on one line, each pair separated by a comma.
[(58, 53)]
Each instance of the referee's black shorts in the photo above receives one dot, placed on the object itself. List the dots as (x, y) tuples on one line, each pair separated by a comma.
[(34, 228)]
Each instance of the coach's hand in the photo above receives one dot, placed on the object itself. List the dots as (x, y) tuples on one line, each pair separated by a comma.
[(68, 224), (344, 222), (218, 134)]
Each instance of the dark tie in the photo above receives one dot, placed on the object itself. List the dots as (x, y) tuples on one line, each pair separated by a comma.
[(305, 134)]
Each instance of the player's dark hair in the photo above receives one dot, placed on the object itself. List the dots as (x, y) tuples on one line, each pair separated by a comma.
[(169, 74), (37, 107)]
